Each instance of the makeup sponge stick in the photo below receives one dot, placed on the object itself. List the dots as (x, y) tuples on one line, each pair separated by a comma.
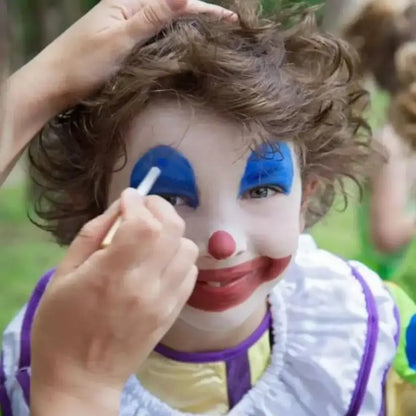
[(143, 189)]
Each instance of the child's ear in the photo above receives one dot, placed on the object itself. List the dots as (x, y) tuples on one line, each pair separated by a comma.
[(309, 190)]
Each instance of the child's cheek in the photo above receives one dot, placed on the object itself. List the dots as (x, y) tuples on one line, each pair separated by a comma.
[(276, 227)]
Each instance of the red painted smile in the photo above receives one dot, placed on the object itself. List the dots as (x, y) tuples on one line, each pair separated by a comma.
[(219, 290)]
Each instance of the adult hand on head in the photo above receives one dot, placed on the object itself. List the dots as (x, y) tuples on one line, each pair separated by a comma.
[(105, 309), (94, 47), (81, 59)]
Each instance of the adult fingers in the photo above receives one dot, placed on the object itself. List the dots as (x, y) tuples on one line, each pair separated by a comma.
[(88, 240), (169, 241), (166, 214), (153, 16), (150, 19), (138, 230), (178, 298), (184, 290), (200, 7), (181, 264)]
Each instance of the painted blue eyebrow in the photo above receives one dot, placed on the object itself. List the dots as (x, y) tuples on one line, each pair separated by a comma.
[(269, 165), (177, 176)]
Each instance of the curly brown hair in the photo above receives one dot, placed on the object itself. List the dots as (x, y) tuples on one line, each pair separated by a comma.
[(276, 74)]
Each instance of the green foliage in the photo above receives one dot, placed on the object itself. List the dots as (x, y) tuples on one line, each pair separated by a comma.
[(25, 253), (38, 22), (88, 4), (270, 4)]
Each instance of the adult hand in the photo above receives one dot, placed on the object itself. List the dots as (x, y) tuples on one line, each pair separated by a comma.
[(106, 309), (81, 59), (92, 49)]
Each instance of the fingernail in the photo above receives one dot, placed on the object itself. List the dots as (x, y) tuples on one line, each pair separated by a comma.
[(233, 17)]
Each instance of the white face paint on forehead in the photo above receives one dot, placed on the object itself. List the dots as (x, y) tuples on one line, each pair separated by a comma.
[(242, 210)]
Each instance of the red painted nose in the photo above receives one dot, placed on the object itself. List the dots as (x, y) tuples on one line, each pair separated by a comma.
[(221, 245)]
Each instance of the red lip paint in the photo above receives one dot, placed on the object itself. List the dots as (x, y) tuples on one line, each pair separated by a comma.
[(239, 282)]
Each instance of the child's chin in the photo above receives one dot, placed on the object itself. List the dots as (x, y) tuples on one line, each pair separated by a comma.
[(225, 320)]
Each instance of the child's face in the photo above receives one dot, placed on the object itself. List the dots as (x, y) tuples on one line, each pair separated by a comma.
[(243, 212)]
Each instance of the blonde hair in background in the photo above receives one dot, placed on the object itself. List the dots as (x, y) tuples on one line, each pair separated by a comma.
[(340, 14), (403, 104)]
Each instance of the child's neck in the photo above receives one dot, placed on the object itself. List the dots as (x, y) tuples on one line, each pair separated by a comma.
[(186, 338)]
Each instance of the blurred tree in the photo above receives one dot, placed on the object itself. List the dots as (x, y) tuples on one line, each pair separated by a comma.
[(35, 23)]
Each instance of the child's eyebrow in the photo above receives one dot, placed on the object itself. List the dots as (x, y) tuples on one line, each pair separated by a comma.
[(177, 175), (275, 167), (265, 170)]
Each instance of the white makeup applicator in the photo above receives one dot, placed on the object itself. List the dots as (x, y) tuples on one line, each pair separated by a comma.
[(143, 189)]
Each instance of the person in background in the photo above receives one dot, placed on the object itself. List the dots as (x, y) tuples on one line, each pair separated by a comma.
[(381, 30), (384, 33)]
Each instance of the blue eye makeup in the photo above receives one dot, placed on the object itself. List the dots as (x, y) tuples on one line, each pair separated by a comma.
[(177, 180), (269, 167)]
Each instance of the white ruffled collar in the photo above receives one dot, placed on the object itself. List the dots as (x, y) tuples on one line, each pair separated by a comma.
[(134, 393), (315, 361)]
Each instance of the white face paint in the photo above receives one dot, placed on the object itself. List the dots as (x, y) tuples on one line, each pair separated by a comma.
[(243, 211)]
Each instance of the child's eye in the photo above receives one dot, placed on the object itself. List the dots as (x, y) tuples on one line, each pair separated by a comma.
[(262, 192), (175, 200)]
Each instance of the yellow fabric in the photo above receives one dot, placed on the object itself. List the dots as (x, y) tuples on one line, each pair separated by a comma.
[(189, 387), (259, 358), (400, 396), (198, 388)]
